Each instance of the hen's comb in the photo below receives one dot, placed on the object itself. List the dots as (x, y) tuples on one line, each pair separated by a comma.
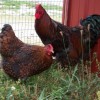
[(38, 6)]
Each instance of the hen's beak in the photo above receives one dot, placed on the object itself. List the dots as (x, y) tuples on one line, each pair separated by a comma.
[(52, 51)]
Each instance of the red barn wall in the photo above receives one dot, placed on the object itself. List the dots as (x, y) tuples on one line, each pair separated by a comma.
[(74, 10)]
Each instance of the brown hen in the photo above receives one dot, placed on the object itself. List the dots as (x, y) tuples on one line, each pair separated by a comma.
[(20, 60)]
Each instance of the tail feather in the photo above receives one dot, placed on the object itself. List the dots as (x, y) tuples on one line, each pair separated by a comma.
[(94, 21)]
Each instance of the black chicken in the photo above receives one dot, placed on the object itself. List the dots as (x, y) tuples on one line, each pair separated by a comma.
[(93, 21)]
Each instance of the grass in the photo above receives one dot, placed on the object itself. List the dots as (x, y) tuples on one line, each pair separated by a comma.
[(52, 84)]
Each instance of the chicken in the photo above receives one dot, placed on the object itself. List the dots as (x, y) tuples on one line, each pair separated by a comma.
[(94, 22), (20, 60), (71, 44), (62, 38), (51, 31)]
